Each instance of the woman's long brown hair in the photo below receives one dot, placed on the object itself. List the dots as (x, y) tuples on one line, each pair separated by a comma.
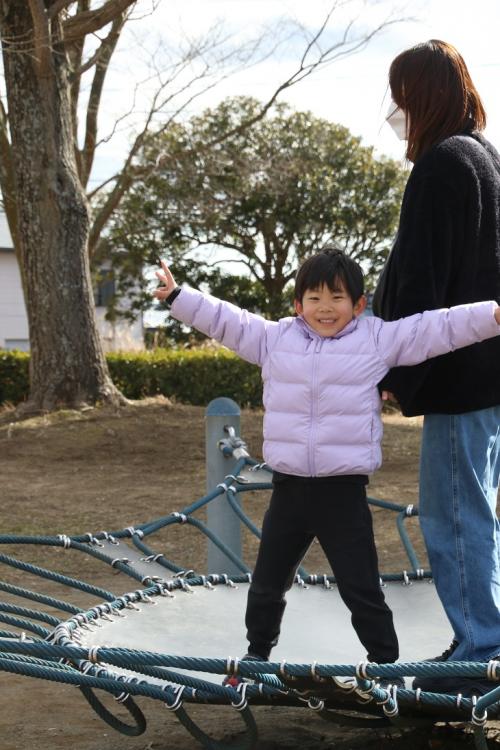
[(431, 84)]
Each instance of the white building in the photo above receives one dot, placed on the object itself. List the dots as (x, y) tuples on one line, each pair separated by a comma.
[(14, 334)]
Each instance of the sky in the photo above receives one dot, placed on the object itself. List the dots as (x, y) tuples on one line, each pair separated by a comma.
[(351, 91)]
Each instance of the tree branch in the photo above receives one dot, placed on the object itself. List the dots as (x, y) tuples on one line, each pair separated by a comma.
[(105, 52), (42, 37), (7, 180), (88, 22), (129, 173), (343, 48)]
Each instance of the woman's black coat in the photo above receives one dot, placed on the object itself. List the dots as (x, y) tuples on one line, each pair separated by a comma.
[(447, 252)]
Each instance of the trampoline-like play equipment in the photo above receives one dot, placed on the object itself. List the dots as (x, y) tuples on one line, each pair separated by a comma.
[(164, 640)]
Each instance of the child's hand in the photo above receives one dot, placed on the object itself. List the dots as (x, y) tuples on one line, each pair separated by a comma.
[(497, 315), (168, 282), (388, 396)]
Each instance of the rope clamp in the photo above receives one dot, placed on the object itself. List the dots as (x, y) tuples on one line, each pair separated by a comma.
[(479, 721), (145, 597), (492, 673), (364, 696), (263, 465), (315, 704), (66, 541), (165, 590), (151, 579), (232, 665), (346, 687), (182, 518), (110, 538), (128, 600), (117, 560), (103, 612), (388, 696), (242, 690), (151, 558), (361, 670), (93, 655), (300, 581), (91, 539), (177, 702), (82, 621), (240, 478), (133, 531), (183, 573), (314, 673), (391, 713), (284, 673)]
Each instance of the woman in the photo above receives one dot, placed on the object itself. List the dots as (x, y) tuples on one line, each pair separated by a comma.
[(447, 252)]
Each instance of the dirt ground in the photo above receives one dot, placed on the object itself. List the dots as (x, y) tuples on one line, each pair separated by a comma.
[(73, 472)]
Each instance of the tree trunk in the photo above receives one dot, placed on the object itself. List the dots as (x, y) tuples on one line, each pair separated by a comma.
[(67, 364)]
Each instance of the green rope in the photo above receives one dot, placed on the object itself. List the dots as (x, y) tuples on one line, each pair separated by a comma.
[(42, 659)]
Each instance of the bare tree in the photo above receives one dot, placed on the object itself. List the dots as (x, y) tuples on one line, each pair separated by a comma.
[(45, 171)]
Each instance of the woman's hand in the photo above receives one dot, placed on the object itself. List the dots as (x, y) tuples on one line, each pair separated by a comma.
[(167, 281)]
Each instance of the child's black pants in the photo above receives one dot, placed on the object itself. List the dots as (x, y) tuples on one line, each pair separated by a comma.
[(335, 510)]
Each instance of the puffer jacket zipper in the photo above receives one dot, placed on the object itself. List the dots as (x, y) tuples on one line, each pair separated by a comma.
[(314, 408)]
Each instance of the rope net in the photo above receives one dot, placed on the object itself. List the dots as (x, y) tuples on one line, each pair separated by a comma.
[(57, 640)]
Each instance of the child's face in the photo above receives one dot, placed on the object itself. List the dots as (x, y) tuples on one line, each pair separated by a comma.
[(329, 312)]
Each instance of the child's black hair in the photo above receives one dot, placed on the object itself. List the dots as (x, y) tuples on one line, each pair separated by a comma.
[(330, 266)]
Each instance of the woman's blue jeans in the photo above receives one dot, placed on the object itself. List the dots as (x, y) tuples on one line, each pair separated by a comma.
[(459, 476)]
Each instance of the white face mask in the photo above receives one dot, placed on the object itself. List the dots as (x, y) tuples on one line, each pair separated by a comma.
[(396, 118)]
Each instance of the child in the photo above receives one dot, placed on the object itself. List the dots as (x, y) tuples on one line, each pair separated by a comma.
[(322, 428)]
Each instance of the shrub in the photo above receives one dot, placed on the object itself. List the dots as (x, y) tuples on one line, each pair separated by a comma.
[(14, 376), (188, 376)]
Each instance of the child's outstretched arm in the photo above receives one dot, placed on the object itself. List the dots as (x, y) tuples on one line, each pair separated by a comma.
[(243, 332), (412, 340)]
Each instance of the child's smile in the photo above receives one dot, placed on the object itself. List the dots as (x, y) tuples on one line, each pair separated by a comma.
[(327, 311)]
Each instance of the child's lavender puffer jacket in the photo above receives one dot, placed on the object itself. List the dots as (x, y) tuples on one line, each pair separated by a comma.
[(322, 405)]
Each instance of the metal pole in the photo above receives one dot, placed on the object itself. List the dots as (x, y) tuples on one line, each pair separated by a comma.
[(221, 520)]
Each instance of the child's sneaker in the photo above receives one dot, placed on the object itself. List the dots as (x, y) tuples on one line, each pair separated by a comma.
[(386, 682)]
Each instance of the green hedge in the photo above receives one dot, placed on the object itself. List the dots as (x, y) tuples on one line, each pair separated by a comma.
[(189, 376), (14, 376)]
